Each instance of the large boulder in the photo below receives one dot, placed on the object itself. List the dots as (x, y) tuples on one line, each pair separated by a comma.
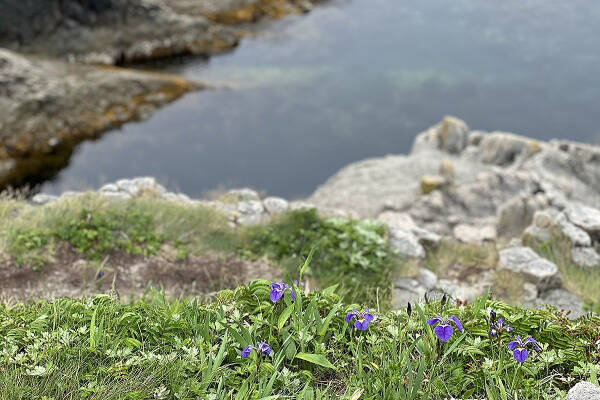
[(494, 176)]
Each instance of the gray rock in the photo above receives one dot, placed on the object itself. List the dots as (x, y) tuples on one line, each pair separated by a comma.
[(502, 148), (473, 234), (426, 237), (584, 391), (405, 243), (585, 257), (515, 215), (427, 278), (450, 135), (533, 268), (562, 299), (407, 290), (587, 218), (275, 205)]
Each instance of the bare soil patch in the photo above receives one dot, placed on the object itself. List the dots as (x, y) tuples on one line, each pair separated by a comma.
[(125, 275)]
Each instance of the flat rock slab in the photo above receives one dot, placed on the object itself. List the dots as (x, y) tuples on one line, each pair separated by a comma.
[(524, 261), (108, 31)]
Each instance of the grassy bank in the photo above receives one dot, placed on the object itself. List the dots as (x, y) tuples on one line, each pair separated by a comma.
[(98, 348), (352, 253)]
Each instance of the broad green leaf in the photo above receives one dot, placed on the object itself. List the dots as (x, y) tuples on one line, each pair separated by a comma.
[(284, 316), (318, 359)]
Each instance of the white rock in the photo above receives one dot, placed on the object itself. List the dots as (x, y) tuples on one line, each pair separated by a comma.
[(41, 199), (275, 205), (587, 218), (585, 257), (530, 292), (405, 243), (397, 220), (109, 187), (251, 207), (577, 236), (584, 391), (474, 235), (532, 267)]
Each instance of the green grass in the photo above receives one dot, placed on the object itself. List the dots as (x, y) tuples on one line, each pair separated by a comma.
[(97, 348), (449, 254), (350, 252)]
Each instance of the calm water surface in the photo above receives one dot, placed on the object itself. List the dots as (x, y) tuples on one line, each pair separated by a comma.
[(357, 79)]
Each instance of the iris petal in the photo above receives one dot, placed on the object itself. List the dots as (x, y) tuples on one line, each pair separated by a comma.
[(361, 326), (456, 322), (276, 295), (349, 317), (443, 332), (369, 317), (247, 350), (434, 321), (513, 345), (520, 354)]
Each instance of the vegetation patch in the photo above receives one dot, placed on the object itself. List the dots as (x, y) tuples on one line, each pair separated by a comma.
[(96, 227), (450, 254), (353, 252), (246, 345)]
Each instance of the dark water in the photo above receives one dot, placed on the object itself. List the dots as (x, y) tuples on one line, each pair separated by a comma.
[(356, 79)]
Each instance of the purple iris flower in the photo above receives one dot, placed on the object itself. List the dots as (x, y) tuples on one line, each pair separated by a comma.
[(499, 326), (278, 289), (363, 319), (444, 329), (518, 347), (261, 348)]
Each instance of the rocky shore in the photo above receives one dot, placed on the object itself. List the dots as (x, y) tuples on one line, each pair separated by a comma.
[(58, 85), (469, 211)]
